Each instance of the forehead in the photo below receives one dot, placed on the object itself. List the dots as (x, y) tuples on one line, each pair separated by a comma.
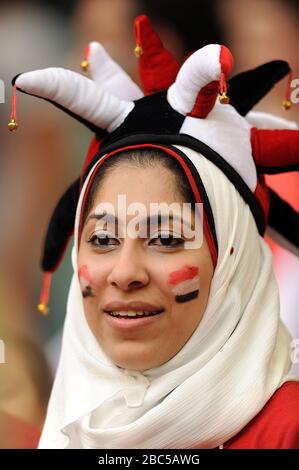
[(138, 184)]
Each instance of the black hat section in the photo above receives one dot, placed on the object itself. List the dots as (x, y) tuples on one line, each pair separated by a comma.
[(60, 228)]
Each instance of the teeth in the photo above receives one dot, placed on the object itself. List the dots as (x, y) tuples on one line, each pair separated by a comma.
[(131, 313)]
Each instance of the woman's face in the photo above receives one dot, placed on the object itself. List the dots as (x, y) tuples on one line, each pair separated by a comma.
[(151, 273)]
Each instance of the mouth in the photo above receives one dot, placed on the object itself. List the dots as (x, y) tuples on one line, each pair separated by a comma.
[(132, 314), (132, 321)]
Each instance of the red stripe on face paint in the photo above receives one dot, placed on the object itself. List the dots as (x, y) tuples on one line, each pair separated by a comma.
[(187, 272), (84, 273)]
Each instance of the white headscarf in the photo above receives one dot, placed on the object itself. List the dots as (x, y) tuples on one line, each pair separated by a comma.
[(223, 376)]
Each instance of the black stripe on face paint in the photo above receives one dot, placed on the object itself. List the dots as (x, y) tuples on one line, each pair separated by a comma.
[(88, 292), (186, 297)]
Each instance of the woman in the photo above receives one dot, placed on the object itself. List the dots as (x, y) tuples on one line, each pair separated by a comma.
[(170, 341)]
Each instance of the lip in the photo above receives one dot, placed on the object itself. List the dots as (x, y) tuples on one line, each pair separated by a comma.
[(128, 324), (133, 305)]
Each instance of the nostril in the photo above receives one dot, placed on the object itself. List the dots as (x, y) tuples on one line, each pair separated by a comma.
[(135, 283), (131, 284)]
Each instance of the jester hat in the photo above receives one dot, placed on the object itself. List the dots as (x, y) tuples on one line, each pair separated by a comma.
[(178, 106)]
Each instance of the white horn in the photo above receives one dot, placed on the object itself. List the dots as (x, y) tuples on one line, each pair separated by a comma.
[(201, 68), (78, 94), (107, 73)]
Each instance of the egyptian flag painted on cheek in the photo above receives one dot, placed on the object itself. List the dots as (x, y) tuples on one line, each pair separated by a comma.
[(185, 282), (85, 281)]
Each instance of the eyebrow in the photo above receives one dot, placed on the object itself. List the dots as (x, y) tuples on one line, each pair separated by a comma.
[(151, 219)]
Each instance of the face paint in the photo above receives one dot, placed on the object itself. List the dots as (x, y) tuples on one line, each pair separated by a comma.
[(185, 282), (87, 292), (85, 281)]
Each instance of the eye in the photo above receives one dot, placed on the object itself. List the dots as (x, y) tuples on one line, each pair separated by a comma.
[(167, 240), (102, 240)]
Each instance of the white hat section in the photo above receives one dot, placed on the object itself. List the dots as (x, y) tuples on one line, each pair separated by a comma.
[(233, 143), (269, 121)]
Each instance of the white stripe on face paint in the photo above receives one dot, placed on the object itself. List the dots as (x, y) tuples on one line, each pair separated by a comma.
[(187, 286)]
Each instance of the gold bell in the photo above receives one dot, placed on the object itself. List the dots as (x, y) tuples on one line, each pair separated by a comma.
[(13, 125), (223, 98), (43, 309), (138, 51), (84, 65), (286, 104)]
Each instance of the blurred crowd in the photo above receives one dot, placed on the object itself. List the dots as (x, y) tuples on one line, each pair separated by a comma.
[(41, 159)]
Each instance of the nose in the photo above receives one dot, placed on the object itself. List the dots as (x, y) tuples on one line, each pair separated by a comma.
[(129, 271)]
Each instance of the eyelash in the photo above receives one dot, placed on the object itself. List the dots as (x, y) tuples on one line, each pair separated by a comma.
[(179, 242)]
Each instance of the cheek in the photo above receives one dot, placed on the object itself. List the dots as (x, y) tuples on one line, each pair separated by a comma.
[(184, 283), (91, 279), (86, 280)]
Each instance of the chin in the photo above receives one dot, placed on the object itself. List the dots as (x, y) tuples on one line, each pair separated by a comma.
[(130, 357)]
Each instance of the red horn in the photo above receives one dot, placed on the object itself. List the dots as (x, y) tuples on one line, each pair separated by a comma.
[(275, 151), (157, 66)]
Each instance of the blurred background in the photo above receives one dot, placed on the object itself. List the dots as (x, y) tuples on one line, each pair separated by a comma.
[(45, 155)]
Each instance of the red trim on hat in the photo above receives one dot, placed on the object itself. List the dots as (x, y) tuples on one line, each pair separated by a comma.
[(275, 148), (262, 194), (206, 227), (205, 100), (87, 52), (206, 97), (92, 150), (14, 104), (44, 296), (226, 61), (157, 66)]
